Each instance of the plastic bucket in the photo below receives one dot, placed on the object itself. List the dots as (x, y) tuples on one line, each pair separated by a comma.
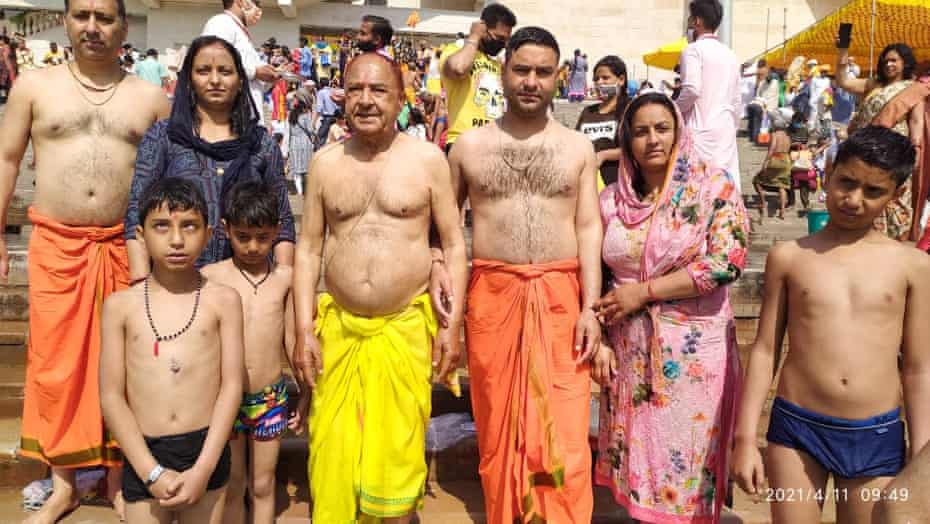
[(816, 220)]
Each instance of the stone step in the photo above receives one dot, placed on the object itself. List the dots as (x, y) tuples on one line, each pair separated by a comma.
[(12, 333), (14, 302)]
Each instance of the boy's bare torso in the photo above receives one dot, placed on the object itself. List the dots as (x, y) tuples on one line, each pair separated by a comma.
[(85, 154), (263, 314), (175, 392), (376, 256), (524, 198), (846, 310)]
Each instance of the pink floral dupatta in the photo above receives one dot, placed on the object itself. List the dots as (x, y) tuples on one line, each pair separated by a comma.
[(680, 234)]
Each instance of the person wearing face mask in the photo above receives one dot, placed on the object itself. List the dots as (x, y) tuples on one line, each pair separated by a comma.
[(710, 95), (375, 34), (232, 25), (471, 75), (600, 122)]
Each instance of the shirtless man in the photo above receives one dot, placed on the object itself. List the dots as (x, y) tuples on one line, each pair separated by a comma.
[(369, 340), (535, 275), (85, 143), (851, 300)]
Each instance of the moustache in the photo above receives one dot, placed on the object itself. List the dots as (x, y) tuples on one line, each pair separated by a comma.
[(92, 39)]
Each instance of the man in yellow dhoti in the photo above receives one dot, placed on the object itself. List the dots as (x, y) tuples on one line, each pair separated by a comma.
[(370, 348)]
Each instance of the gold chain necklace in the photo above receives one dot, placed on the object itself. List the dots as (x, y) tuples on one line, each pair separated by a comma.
[(114, 86)]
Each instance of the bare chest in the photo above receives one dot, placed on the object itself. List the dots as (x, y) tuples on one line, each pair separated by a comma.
[(515, 172), (115, 122), (399, 196), (852, 288)]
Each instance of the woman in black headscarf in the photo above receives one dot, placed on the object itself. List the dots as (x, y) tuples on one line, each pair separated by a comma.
[(212, 138)]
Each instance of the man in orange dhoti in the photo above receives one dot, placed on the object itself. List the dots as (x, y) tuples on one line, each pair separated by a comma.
[(530, 329), (85, 145)]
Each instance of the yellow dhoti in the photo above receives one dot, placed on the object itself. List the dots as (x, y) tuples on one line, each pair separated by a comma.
[(370, 411)]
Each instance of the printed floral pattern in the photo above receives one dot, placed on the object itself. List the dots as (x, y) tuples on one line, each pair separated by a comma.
[(663, 448)]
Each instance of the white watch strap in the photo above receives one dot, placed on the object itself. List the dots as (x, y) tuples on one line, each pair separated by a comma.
[(155, 473)]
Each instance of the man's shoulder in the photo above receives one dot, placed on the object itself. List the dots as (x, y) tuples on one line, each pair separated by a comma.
[(220, 295), (123, 300)]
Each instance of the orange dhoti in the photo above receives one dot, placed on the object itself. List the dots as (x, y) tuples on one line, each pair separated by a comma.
[(72, 269), (531, 401)]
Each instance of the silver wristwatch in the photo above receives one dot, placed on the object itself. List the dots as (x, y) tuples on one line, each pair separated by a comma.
[(153, 476)]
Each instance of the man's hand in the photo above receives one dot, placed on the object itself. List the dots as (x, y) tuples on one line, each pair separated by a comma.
[(604, 365), (266, 73), (440, 293), (479, 30), (311, 362), (167, 485), (446, 353), (189, 488), (4, 260), (621, 301), (747, 468), (295, 420), (587, 336)]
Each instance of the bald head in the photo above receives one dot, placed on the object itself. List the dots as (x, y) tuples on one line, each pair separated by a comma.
[(375, 66)]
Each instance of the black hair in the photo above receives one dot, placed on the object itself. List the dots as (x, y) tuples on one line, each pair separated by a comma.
[(907, 57), (709, 11), (532, 35), (762, 63), (380, 27), (626, 127), (177, 194), (228, 3), (242, 106), (152, 52), (495, 14), (617, 66), (339, 115), (416, 117), (882, 148), (251, 203), (120, 9), (303, 41)]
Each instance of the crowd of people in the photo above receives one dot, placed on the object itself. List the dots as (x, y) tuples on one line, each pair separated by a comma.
[(167, 276)]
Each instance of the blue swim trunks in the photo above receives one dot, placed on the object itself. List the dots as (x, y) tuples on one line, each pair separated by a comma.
[(872, 447)]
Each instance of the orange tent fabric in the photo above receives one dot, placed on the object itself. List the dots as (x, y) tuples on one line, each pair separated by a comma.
[(531, 401), (895, 21), (71, 271)]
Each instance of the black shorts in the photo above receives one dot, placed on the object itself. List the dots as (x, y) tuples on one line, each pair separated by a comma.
[(178, 453)]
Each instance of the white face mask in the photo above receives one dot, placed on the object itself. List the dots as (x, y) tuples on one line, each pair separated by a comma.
[(608, 91), (689, 34)]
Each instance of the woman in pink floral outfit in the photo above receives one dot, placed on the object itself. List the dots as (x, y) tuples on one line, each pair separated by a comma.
[(676, 233)]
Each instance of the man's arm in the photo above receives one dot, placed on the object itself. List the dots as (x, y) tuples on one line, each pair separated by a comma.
[(446, 217), (915, 373), (589, 234), (308, 257), (458, 64), (14, 137), (690, 79)]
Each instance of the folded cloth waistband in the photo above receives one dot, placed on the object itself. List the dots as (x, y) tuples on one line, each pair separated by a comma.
[(793, 410), (96, 233), (569, 265)]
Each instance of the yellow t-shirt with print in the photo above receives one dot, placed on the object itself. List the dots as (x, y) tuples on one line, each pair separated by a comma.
[(475, 99)]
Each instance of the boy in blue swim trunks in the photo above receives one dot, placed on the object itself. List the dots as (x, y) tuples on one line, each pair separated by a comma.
[(850, 300), (171, 367), (251, 220)]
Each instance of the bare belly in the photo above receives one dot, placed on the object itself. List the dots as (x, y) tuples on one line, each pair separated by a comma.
[(84, 180), (188, 407), (847, 376), (263, 348), (377, 273), (520, 232)]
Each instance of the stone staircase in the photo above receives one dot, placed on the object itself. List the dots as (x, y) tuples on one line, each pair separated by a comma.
[(454, 491)]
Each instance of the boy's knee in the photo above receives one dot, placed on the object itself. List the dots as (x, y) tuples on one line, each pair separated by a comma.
[(263, 486)]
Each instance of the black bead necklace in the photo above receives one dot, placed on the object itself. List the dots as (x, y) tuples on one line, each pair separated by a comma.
[(250, 281), (148, 313)]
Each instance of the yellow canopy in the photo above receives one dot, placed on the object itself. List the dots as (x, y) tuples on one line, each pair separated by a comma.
[(906, 21), (666, 57)]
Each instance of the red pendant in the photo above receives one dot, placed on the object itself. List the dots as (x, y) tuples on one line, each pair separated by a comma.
[(156, 347)]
